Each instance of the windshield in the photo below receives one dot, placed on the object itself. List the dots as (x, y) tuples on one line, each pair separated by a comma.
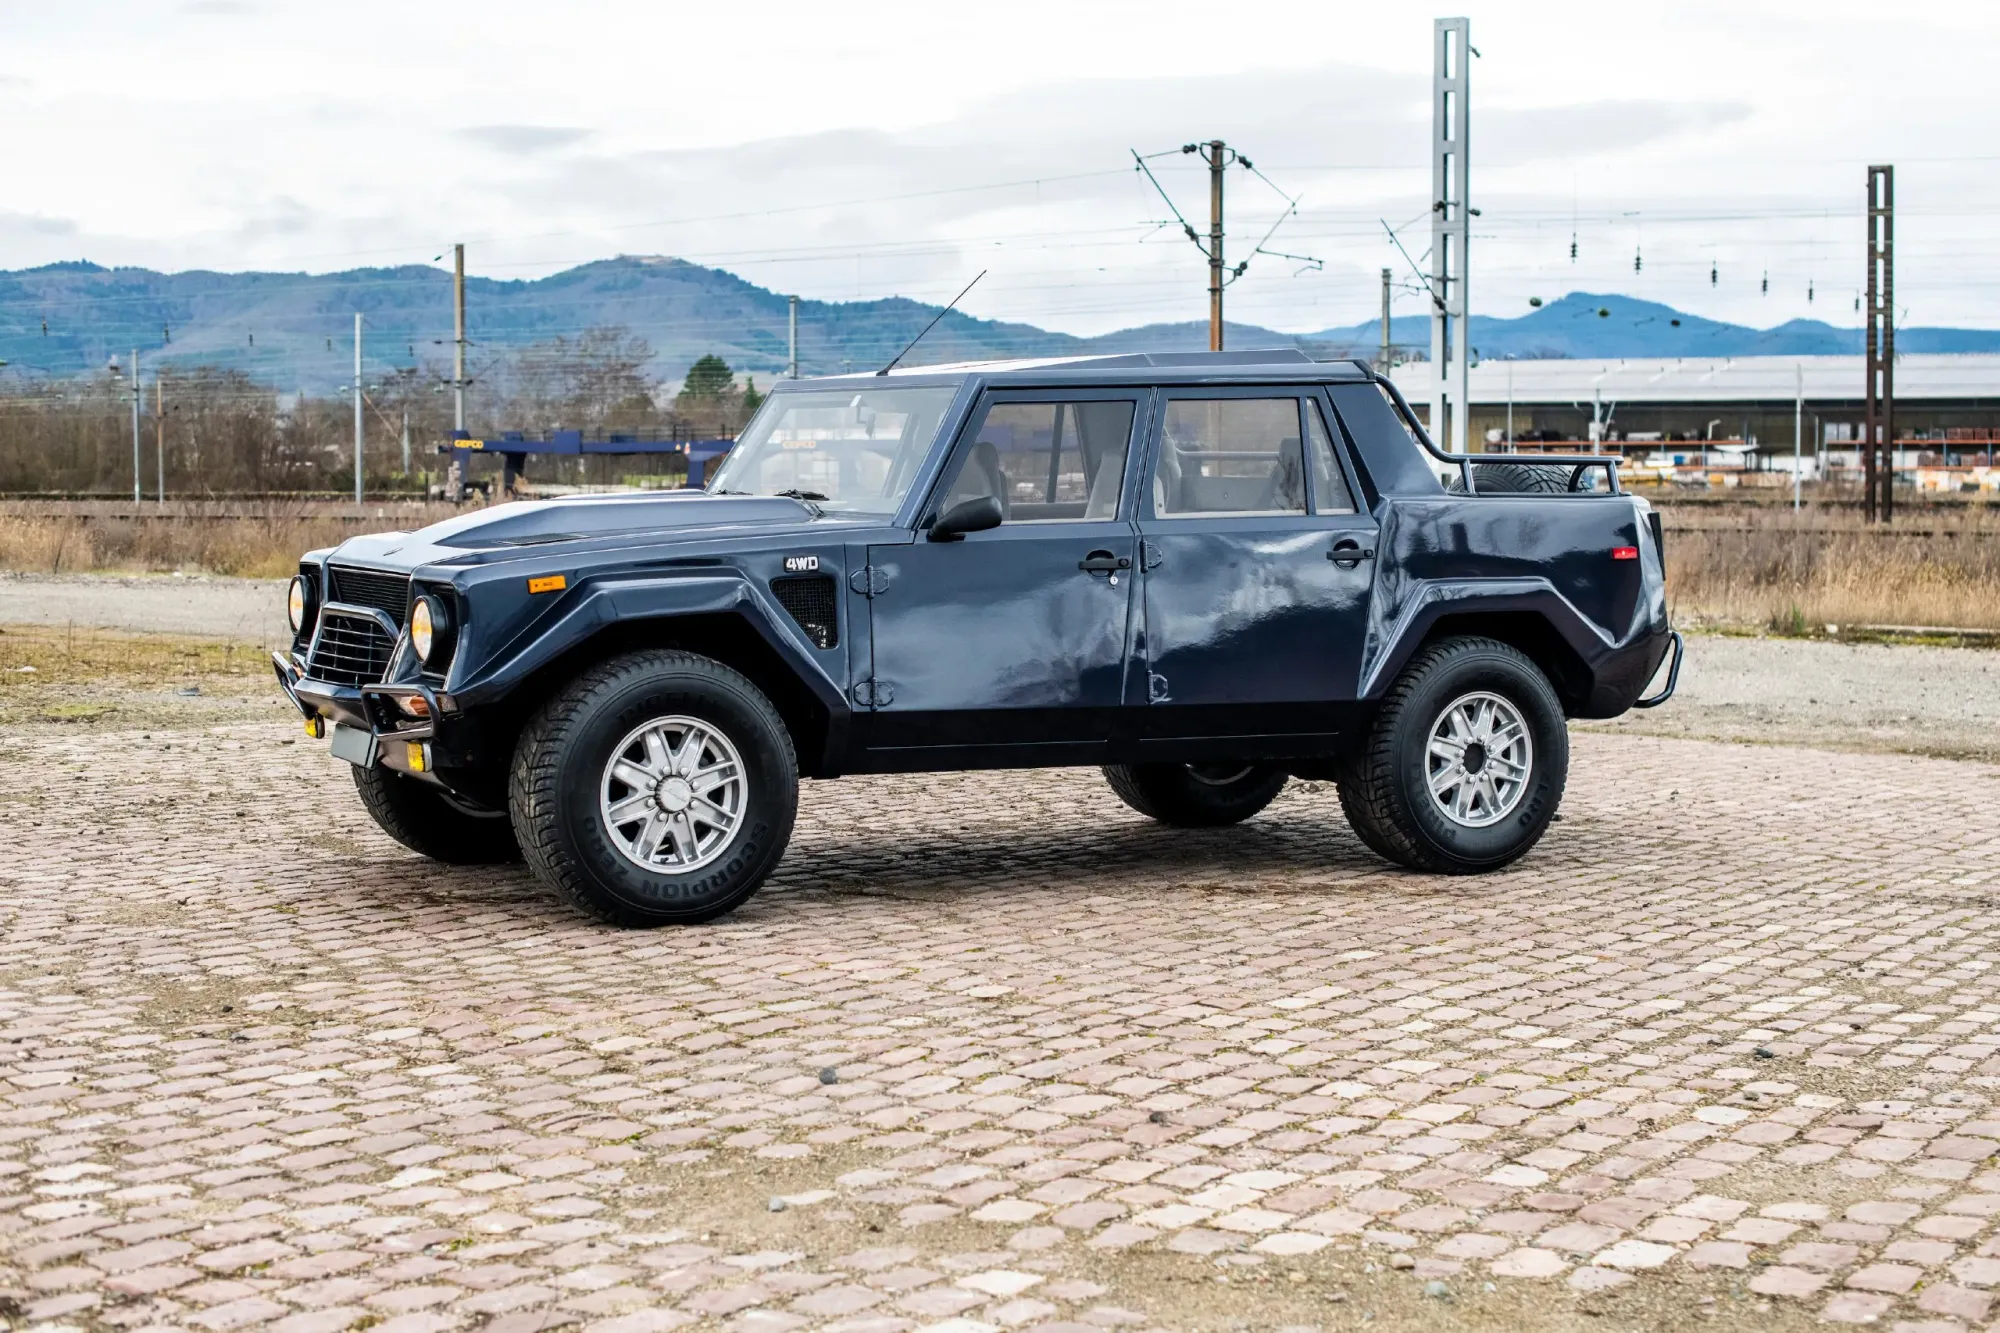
[(847, 451)]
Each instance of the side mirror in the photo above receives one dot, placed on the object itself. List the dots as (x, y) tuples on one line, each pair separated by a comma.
[(976, 515)]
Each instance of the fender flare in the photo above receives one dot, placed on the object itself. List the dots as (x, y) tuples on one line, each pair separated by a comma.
[(601, 603), (1390, 646)]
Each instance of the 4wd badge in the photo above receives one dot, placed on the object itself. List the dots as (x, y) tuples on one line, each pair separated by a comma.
[(801, 564)]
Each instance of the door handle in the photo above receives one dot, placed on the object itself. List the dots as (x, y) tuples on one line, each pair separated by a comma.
[(1103, 562), (1347, 553)]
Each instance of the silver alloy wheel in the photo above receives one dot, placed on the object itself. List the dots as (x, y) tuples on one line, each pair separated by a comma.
[(673, 795), (1479, 759)]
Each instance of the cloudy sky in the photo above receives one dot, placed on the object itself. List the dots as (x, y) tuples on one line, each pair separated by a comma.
[(881, 147)]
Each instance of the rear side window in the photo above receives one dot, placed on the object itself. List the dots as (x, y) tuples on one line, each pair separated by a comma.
[(1048, 462), (1230, 456), (1330, 490)]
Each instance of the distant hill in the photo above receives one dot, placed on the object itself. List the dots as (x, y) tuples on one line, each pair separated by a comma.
[(1586, 324), (294, 329)]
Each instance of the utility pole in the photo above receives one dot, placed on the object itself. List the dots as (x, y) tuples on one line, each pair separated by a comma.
[(357, 409), (1216, 161), (793, 341), (1451, 232), (1798, 429), (160, 430), (1387, 347), (455, 474), (1880, 432), (136, 391), (406, 441)]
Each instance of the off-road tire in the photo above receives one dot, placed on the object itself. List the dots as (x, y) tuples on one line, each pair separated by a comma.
[(430, 822), (1179, 795), (1384, 787), (554, 787), (1517, 479)]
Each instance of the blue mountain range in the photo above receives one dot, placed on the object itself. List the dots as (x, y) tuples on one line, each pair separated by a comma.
[(294, 330)]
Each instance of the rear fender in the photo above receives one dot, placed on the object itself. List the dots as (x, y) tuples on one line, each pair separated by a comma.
[(1391, 645)]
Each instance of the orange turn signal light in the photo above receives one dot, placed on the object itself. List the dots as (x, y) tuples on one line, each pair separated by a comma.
[(549, 583)]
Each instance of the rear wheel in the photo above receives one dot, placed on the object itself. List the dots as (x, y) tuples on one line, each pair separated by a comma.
[(657, 788), (1465, 763), (429, 820), (1196, 795)]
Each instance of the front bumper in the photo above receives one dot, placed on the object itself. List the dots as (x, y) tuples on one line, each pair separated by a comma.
[(369, 722)]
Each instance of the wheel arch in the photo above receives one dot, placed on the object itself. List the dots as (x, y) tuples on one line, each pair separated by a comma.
[(1534, 636), (728, 637)]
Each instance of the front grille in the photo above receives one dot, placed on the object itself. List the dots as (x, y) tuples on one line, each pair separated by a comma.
[(810, 600), (352, 650), (387, 593)]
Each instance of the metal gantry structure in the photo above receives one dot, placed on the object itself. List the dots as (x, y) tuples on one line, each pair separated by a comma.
[(1451, 232), (1879, 434)]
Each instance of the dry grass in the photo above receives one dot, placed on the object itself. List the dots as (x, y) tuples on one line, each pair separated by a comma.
[(256, 539), (1758, 565), (44, 655)]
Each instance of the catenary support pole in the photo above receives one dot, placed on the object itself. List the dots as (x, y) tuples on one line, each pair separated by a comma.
[(792, 341), (1451, 415), (1878, 437), (135, 427), (1798, 429), (1216, 160), (357, 408), (1388, 348)]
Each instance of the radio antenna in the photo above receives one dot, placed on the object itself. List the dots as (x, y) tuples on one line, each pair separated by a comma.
[(933, 324)]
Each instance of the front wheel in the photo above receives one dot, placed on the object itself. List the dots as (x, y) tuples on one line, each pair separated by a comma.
[(1465, 763), (657, 788), (431, 821), (1196, 795)]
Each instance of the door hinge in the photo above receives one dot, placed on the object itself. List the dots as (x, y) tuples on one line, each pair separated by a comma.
[(873, 694), (1149, 555), (869, 581), (1156, 688)]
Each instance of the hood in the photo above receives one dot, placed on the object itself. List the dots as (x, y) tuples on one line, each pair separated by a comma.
[(579, 518), (489, 534)]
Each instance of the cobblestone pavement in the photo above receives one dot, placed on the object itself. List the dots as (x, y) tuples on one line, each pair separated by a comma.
[(992, 1053)]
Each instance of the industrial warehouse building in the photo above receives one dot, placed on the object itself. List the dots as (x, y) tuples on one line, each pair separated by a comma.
[(1735, 413)]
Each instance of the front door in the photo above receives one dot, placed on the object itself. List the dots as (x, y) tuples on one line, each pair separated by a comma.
[(1257, 571), (1010, 646)]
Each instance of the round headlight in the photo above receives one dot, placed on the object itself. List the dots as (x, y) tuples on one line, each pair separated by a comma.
[(296, 602), (430, 627)]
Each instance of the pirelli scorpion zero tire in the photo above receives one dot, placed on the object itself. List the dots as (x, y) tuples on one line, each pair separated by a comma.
[(1196, 795), (1464, 765), (427, 820), (657, 788)]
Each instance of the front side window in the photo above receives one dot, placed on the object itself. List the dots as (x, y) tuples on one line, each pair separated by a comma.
[(1047, 462), (851, 452), (1230, 456)]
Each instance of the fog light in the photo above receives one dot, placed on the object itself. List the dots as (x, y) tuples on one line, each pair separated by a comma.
[(316, 728), (419, 756)]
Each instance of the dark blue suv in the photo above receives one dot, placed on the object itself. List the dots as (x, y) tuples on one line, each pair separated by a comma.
[(1206, 573)]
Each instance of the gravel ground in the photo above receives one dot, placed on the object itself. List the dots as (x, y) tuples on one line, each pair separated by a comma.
[(1843, 696), (246, 610), (1937, 701)]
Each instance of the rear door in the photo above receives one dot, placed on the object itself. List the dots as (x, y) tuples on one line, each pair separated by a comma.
[(1258, 567), (1011, 646)]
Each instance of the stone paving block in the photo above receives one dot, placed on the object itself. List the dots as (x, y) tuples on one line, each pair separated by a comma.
[(436, 1098)]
